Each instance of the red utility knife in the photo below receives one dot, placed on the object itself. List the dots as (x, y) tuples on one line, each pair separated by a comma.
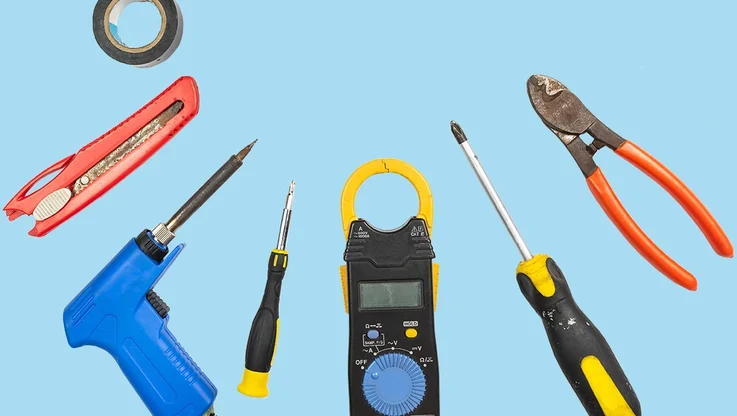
[(87, 175)]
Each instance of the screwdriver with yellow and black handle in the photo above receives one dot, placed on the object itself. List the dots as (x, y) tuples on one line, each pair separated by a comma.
[(582, 352), (264, 335)]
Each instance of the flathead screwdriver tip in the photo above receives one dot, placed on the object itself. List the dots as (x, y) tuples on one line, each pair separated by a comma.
[(246, 150), (458, 132)]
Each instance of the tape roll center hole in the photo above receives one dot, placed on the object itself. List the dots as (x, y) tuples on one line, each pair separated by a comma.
[(386, 201), (135, 24)]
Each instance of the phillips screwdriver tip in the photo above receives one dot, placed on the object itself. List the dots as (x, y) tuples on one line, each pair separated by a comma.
[(458, 132), (246, 150)]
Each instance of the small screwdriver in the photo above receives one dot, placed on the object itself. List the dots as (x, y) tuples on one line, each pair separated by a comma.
[(582, 352), (264, 335)]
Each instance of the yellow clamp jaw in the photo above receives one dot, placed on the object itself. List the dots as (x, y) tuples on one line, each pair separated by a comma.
[(376, 167), (348, 209)]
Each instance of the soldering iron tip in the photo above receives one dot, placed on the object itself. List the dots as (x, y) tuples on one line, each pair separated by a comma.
[(246, 150), (458, 132)]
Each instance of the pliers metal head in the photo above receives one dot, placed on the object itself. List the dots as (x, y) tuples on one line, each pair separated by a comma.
[(564, 114)]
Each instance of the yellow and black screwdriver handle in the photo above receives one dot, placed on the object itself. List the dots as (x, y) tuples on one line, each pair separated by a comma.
[(264, 335), (582, 352)]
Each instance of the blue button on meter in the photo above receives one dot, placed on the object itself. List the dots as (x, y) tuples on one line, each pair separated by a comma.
[(373, 334)]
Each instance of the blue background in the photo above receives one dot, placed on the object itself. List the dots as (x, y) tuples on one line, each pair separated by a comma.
[(327, 86)]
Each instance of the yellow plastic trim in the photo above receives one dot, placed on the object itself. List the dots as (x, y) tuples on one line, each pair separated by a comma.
[(537, 270), (378, 166), (435, 282), (344, 283), (609, 397), (276, 257), (254, 384), (276, 341)]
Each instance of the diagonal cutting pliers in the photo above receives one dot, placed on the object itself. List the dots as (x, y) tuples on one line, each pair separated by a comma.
[(564, 114)]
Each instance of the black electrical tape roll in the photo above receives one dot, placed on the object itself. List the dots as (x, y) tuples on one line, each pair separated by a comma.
[(104, 25)]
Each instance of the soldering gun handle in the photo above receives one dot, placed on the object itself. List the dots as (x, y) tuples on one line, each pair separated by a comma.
[(582, 352), (264, 335), (115, 314)]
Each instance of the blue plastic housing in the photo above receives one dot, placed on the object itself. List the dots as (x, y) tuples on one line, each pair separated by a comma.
[(112, 313)]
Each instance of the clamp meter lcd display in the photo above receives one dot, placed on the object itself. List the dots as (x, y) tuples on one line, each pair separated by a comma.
[(390, 288)]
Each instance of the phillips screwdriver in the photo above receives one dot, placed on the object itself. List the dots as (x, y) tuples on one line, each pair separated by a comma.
[(264, 335), (582, 352)]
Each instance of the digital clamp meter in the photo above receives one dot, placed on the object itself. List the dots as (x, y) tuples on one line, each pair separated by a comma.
[(390, 291)]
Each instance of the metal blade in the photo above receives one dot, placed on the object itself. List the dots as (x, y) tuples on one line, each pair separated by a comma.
[(127, 147)]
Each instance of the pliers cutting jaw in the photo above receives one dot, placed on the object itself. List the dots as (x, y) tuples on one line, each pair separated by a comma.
[(563, 113)]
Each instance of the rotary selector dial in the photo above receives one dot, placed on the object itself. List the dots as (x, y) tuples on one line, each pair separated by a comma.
[(394, 384)]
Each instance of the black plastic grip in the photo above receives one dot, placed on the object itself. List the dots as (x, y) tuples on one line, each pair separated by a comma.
[(263, 336), (573, 337)]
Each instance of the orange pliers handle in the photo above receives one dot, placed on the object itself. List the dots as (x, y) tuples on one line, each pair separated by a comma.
[(614, 209)]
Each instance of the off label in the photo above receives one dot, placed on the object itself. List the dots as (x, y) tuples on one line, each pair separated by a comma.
[(360, 233), (418, 231)]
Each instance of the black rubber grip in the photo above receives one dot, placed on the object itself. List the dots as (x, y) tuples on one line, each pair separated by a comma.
[(573, 337), (263, 336)]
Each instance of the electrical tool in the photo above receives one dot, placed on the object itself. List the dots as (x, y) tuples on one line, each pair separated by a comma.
[(105, 28), (582, 352), (83, 177), (390, 291), (566, 116), (119, 312), (264, 335)]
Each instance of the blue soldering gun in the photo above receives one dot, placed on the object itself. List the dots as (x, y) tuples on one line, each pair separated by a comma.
[(119, 312)]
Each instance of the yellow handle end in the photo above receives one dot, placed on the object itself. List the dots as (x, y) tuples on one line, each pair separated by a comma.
[(254, 384), (610, 399)]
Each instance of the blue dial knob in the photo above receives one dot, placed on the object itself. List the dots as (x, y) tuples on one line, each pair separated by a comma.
[(394, 385)]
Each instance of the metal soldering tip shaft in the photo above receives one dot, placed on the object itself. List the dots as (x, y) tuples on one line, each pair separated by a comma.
[(281, 243), (490, 191), (164, 233), (246, 150)]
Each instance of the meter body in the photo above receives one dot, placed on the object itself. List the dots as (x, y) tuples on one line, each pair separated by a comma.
[(390, 286)]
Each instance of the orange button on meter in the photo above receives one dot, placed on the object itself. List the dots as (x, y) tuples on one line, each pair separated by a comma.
[(411, 333)]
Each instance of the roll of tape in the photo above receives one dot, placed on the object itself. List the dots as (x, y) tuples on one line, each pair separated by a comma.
[(105, 26)]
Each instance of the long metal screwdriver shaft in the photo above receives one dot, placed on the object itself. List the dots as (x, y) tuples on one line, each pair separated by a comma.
[(164, 233), (489, 188), (286, 217)]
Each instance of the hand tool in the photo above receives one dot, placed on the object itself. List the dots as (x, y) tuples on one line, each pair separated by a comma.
[(87, 175), (390, 287), (582, 352), (119, 312), (264, 335), (564, 114), (105, 28)]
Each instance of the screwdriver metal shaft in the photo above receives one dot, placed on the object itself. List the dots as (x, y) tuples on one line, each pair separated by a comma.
[(286, 217), (489, 188)]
